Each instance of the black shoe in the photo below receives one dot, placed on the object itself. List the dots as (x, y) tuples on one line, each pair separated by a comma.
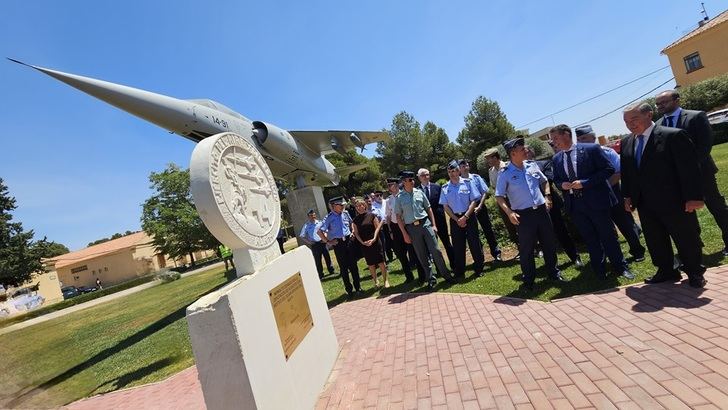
[(350, 295), (639, 258), (577, 262), (627, 274), (698, 282), (409, 280), (431, 285), (517, 257), (479, 274), (659, 277), (498, 257)]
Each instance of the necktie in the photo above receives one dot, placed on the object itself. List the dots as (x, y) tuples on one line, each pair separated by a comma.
[(640, 147), (668, 121), (427, 191), (570, 166)]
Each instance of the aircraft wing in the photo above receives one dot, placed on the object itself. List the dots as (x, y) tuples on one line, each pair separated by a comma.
[(349, 169), (326, 142)]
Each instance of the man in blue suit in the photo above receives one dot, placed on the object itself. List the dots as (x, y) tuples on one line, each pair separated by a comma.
[(582, 172)]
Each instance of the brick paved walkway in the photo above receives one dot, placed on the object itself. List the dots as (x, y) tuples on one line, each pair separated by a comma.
[(658, 346)]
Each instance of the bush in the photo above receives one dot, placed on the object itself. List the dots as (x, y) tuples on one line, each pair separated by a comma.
[(166, 275), (707, 95)]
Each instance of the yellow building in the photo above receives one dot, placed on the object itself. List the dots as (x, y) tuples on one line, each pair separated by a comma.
[(702, 53), (113, 262)]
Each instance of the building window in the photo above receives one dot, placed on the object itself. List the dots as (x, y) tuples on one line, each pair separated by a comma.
[(93, 272), (692, 62), (106, 269)]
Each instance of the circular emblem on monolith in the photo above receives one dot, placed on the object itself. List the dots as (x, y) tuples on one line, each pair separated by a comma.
[(234, 192)]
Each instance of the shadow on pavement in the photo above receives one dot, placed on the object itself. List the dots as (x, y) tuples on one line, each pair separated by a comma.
[(651, 298)]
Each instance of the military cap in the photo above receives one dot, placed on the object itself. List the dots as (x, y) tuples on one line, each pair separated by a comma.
[(311, 211), (491, 151), (452, 165), (339, 200), (463, 161), (392, 181), (377, 192), (583, 130), (407, 174), (512, 143)]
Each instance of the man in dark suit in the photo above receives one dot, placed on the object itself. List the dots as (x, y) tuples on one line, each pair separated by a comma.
[(557, 220), (624, 220), (661, 178), (582, 172), (432, 191), (697, 126)]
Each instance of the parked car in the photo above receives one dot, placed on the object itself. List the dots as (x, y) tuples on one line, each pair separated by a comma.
[(70, 292), (717, 117), (86, 289)]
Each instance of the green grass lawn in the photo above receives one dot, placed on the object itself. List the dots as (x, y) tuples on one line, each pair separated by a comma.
[(142, 338), (75, 301), (137, 339)]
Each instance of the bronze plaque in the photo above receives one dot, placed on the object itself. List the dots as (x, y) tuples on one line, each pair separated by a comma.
[(293, 316)]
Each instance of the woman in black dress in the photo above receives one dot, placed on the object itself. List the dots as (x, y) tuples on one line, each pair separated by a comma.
[(366, 228)]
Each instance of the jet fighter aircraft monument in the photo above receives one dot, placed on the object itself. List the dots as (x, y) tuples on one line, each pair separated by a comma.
[(295, 156)]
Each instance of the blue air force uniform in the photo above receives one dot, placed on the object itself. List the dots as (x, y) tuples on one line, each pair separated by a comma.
[(481, 187), (337, 227), (458, 197), (522, 187), (310, 233)]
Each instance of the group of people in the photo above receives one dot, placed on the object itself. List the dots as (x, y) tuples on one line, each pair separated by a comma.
[(664, 171)]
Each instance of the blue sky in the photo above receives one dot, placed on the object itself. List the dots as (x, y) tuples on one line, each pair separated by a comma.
[(79, 168)]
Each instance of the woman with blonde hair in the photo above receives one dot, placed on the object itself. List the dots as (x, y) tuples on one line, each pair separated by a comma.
[(366, 229)]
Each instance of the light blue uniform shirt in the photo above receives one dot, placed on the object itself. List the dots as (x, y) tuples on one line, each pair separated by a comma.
[(613, 158), (310, 231), (479, 184), (379, 209), (411, 205), (458, 196), (522, 187), (337, 226)]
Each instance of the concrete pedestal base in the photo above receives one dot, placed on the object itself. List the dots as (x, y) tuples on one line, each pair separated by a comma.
[(300, 201), (238, 350)]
